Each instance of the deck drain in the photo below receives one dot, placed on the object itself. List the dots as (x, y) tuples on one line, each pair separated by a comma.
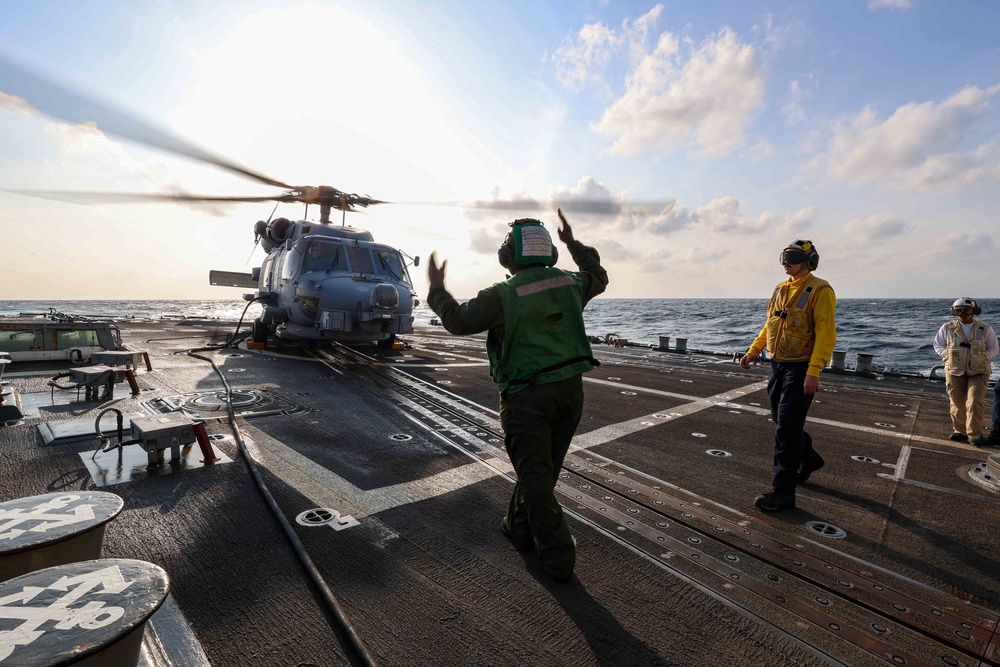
[(237, 370), (629, 393), (444, 381), (826, 529), (614, 378), (699, 435), (717, 452), (400, 437), (885, 425), (864, 459)]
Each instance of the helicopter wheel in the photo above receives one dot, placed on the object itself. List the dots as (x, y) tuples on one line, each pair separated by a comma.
[(259, 331), (387, 343)]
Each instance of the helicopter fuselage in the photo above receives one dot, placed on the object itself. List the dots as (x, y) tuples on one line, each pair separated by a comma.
[(320, 282)]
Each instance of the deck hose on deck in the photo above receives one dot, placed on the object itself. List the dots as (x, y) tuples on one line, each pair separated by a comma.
[(333, 605)]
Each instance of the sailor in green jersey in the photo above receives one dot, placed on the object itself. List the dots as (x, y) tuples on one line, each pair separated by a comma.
[(538, 350)]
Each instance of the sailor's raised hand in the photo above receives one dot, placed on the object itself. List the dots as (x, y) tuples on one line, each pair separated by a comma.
[(565, 231), (435, 273)]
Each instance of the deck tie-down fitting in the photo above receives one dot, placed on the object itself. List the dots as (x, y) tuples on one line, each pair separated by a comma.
[(172, 430)]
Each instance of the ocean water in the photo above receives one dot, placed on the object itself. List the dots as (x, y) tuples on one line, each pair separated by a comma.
[(898, 332)]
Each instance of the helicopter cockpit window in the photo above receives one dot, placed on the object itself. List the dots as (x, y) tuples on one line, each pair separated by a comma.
[(389, 264), (361, 260), (324, 257)]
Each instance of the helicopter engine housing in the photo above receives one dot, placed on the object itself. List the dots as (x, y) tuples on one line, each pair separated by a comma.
[(274, 233)]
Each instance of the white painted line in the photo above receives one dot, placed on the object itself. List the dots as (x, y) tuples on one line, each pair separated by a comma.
[(621, 429), (327, 489), (714, 400), (902, 461)]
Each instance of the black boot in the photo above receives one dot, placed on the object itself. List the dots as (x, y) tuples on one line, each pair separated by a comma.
[(990, 438), (775, 501), (809, 468)]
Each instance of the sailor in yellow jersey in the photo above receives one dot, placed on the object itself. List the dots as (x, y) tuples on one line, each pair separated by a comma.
[(800, 334)]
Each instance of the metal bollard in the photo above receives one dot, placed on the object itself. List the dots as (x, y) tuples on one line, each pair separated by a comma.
[(664, 343), (864, 363), (839, 357), (682, 345)]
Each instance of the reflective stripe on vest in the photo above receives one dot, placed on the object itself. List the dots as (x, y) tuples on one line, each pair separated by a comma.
[(542, 285)]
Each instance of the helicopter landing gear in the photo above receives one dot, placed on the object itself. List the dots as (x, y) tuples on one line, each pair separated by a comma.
[(259, 332), (387, 343)]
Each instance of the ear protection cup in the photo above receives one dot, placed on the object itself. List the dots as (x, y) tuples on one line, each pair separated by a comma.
[(505, 253)]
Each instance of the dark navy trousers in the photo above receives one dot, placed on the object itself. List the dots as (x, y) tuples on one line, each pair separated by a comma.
[(996, 404), (789, 407)]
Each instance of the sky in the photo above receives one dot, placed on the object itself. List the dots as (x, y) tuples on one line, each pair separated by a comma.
[(711, 134)]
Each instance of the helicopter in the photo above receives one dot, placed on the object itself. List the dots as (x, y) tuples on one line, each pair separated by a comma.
[(327, 283)]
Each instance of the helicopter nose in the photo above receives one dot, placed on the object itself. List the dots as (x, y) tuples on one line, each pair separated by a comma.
[(384, 297)]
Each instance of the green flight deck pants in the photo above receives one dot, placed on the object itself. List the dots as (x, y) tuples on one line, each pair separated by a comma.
[(538, 424)]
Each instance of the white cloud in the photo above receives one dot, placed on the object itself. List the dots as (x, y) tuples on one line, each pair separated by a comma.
[(581, 63), (704, 102), (17, 105), (917, 147), (969, 246), (727, 215), (890, 4), (875, 229), (792, 108)]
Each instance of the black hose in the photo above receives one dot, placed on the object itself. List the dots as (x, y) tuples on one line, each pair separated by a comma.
[(332, 604)]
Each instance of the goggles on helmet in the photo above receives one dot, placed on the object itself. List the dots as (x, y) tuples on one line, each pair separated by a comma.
[(793, 257)]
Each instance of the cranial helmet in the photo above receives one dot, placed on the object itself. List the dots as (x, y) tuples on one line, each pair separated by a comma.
[(965, 302), (804, 249), (527, 243)]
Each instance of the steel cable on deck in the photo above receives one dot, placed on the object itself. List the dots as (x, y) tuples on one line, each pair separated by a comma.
[(330, 600)]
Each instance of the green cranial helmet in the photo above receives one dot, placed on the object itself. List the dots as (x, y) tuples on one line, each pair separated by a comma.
[(528, 243)]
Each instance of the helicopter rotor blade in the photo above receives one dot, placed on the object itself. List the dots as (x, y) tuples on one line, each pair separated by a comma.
[(598, 207), (59, 101), (82, 197)]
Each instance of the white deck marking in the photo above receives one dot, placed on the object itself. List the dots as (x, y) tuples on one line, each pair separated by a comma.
[(720, 401), (327, 489), (621, 429)]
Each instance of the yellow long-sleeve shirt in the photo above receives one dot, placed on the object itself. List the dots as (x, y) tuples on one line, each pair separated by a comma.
[(824, 326)]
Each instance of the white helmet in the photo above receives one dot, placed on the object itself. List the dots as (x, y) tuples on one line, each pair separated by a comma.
[(965, 302)]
